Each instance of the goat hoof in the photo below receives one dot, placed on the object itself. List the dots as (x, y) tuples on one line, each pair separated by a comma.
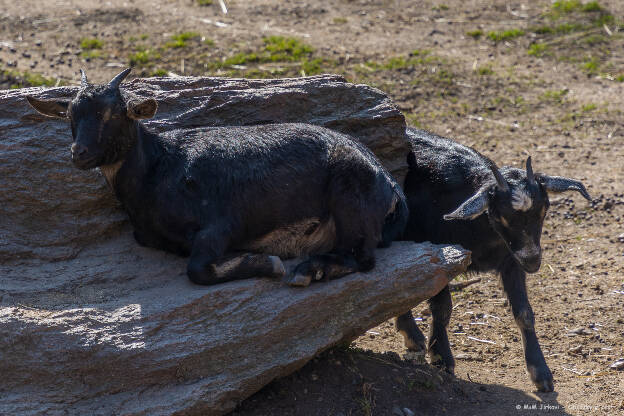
[(545, 386), (542, 378), (279, 270), (301, 280), (450, 369), (413, 345), (447, 365)]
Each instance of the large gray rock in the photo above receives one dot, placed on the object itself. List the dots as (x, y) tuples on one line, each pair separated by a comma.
[(91, 323)]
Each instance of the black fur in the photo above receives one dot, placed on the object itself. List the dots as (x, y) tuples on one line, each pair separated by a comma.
[(443, 174), (281, 189)]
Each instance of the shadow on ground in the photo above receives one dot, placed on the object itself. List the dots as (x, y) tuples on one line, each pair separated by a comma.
[(350, 382)]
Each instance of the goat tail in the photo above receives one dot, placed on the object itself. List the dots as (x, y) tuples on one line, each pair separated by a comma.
[(396, 220)]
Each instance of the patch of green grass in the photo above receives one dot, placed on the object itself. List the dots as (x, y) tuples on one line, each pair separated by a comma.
[(397, 62), (443, 78), (604, 19), (204, 2), (537, 49), (143, 56), (91, 48), (485, 70), (560, 29), (595, 39), (91, 54), (620, 78), (91, 43), (179, 40), (420, 52), (159, 73), (208, 42), (566, 6), (542, 30), (28, 79), (505, 35), (416, 57), (340, 20), (38, 80), (276, 49), (589, 107), (591, 66), (282, 49), (312, 67), (554, 95), (592, 6), (440, 7), (569, 28), (241, 59), (476, 34)]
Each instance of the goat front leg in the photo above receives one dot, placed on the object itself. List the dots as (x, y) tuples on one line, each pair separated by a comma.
[(208, 265), (514, 284), (438, 347)]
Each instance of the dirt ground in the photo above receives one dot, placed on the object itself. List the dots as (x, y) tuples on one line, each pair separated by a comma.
[(510, 78)]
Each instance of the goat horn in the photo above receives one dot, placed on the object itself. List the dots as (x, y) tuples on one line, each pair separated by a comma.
[(83, 79), (115, 82), (500, 181), (561, 184), (529, 171)]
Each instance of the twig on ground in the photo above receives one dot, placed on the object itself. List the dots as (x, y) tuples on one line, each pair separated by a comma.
[(486, 341), (578, 373)]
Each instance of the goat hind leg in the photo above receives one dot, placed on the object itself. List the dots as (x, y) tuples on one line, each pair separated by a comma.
[(323, 267), (208, 264), (413, 338), (438, 347)]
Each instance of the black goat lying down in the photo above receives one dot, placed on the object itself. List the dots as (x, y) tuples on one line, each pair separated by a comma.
[(457, 195), (235, 198)]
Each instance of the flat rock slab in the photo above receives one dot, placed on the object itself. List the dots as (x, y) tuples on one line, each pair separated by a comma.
[(148, 342), (92, 323)]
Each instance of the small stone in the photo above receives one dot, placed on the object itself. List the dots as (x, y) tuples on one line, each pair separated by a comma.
[(621, 238), (408, 412), (579, 331), (396, 410), (618, 365), (575, 350)]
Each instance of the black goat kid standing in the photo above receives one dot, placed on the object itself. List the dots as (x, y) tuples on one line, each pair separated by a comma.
[(456, 195), (235, 198)]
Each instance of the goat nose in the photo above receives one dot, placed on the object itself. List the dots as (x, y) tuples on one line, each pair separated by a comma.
[(78, 149)]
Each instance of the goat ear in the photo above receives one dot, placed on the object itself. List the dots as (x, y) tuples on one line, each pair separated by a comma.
[(472, 207), (51, 108), (139, 110), (561, 184)]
